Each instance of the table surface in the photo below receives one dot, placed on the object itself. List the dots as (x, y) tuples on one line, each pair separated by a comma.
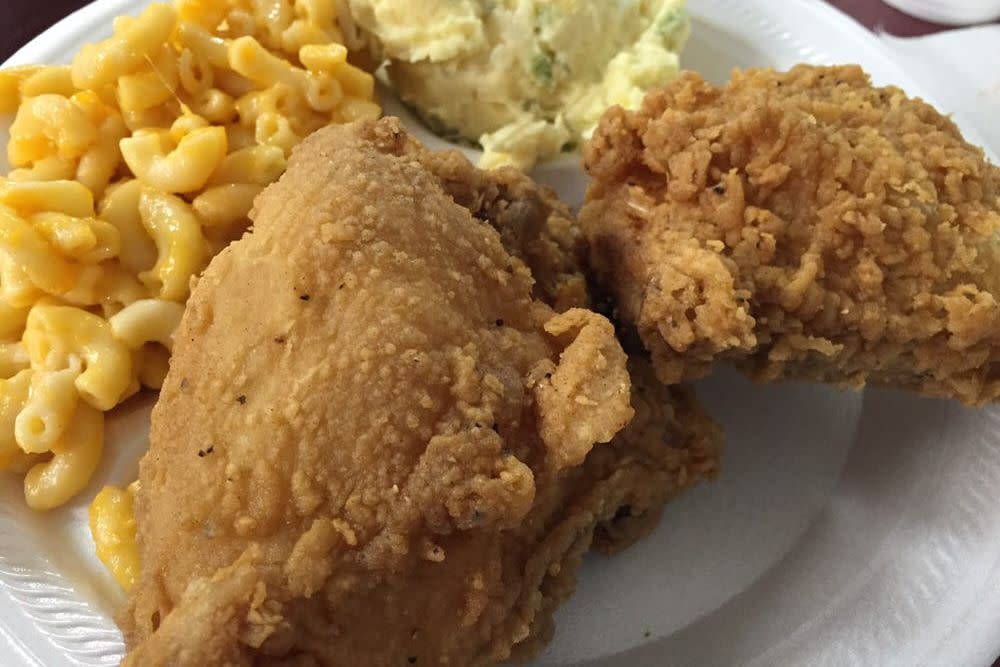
[(26, 18)]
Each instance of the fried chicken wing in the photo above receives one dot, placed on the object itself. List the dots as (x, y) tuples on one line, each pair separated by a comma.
[(376, 445), (804, 225)]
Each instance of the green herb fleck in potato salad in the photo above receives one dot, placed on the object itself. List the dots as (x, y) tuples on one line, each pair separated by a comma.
[(527, 79)]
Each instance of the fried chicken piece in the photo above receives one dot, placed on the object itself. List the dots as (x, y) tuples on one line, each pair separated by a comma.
[(375, 446), (804, 225), (674, 445), (534, 224), (668, 447)]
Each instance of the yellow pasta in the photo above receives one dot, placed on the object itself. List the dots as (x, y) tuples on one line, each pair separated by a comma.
[(74, 459), (10, 86), (13, 359), (131, 167), (87, 240), (195, 72), (16, 288), (274, 129), (357, 83), (55, 334), (214, 106), (323, 92), (120, 207), (239, 137), (98, 165), (155, 117), (48, 410), (204, 44), (27, 248), (239, 23), (272, 18), (49, 168), (125, 52), (143, 90), (87, 289), (182, 251), (320, 13), (63, 196), (117, 288), (55, 80), (49, 125), (185, 125), (13, 396), (208, 13), (112, 523), (249, 57), (147, 321), (225, 204), (278, 99), (12, 320), (184, 167), (302, 33), (234, 84), (323, 58), (353, 109), (255, 164)]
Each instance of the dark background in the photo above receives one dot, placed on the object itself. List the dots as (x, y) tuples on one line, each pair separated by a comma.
[(23, 19)]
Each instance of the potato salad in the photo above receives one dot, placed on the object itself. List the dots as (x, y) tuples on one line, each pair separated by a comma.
[(526, 79)]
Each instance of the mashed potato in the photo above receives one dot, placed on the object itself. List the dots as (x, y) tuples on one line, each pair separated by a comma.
[(524, 78)]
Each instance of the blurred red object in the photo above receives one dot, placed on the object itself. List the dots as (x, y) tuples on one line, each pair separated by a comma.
[(878, 16)]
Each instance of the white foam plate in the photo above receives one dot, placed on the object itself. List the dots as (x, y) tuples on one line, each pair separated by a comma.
[(846, 529)]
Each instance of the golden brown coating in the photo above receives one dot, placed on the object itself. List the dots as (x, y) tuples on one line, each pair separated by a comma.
[(805, 225), (374, 444), (534, 224), (669, 446), (672, 444)]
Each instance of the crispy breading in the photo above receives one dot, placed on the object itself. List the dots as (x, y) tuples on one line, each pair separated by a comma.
[(375, 445), (673, 445), (534, 224), (805, 225)]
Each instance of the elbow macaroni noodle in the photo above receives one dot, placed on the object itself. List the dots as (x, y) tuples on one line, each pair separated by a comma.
[(130, 168), (112, 523), (51, 402)]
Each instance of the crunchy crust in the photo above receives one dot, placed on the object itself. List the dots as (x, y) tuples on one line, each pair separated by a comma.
[(375, 445), (805, 225)]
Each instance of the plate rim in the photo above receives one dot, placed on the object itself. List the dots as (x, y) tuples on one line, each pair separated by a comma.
[(83, 21)]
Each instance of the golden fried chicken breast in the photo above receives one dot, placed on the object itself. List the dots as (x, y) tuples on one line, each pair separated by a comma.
[(804, 224), (375, 445)]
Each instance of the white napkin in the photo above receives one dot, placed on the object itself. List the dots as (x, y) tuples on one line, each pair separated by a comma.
[(961, 68)]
